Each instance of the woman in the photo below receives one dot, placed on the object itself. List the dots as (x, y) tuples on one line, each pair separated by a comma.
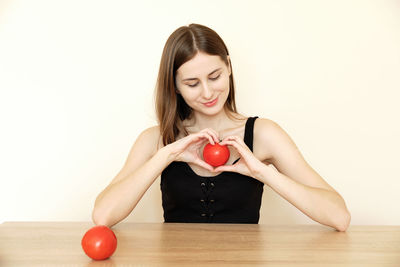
[(195, 104)]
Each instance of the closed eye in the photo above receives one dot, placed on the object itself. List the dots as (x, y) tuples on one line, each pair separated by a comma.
[(215, 78), (193, 85)]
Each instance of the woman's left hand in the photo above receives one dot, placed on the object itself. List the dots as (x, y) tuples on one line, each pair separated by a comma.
[(247, 165)]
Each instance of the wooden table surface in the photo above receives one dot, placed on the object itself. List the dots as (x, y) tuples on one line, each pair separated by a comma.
[(158, 244)]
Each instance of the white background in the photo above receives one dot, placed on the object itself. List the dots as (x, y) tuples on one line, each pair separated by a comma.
[(77, 81)]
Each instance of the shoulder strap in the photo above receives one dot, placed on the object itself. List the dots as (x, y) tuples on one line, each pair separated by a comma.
[(248, 132)]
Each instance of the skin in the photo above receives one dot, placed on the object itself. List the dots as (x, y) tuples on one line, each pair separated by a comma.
[(275, 160)]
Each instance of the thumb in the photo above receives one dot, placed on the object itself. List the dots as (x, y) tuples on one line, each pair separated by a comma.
[(225, 168), (203, 164)]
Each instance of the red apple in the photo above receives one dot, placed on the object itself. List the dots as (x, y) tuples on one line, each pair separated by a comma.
[(215, 155), (99, 242)]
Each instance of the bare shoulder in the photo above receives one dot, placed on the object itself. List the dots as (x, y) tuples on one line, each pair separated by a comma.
[(267, 129), (279, 149), (265, 133), (264, 123), (145, 146), (271, 137), (149, 140)]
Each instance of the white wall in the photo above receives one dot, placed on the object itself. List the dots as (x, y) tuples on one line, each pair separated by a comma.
[(77, 80)]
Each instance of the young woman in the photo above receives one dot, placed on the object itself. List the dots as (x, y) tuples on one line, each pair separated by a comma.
[(195, 105)]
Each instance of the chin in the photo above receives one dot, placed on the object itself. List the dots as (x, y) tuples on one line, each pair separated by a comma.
[(212, 111)]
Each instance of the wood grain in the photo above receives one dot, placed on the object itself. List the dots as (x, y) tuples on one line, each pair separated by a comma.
[(148, 244)]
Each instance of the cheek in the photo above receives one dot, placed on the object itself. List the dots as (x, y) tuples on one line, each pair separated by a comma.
[(189, 96), (222, 84)]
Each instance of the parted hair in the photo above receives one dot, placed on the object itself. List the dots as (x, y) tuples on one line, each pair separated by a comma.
[(183, 45)]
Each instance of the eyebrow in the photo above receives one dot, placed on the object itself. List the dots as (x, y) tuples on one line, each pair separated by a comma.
[(191, 79)]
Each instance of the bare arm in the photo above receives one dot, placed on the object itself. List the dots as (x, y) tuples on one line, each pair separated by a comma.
[(144, 164), (322, 205), (297, 182), (293, 178)]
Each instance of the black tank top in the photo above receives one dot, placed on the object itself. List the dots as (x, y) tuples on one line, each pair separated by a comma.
[(226, 198)]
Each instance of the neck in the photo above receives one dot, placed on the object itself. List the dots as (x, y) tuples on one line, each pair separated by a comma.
[(217, 122)]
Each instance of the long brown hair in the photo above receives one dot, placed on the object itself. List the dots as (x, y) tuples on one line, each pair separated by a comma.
[(182, 45)]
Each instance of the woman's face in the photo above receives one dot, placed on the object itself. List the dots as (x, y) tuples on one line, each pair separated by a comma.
[(203, 83)]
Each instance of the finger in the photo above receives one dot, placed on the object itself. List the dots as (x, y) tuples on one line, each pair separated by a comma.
[(203, 164), (204, 141), (212, 133), (235, 138), (232, 143), (211, 139), (215, 134), (238, 141), (223, 142), (199, 144), (243, 150), (225, 168), (197, 138), (186, 141), (227, 138), (207, 136)]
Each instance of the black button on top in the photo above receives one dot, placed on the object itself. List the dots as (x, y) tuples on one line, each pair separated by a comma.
[(212, 184), (203, 184), (202, 200)]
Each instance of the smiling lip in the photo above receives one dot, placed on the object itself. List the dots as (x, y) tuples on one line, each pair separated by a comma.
[(212, 103)]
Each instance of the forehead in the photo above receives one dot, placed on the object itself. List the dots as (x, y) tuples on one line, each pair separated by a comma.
[(201, 64)]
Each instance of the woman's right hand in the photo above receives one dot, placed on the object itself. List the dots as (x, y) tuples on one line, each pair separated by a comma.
[(188, 149)]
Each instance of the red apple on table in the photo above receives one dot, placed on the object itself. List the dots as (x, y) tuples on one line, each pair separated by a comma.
[(99, 242)]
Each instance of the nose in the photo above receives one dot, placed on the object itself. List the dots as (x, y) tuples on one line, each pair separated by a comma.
[(207, 91)]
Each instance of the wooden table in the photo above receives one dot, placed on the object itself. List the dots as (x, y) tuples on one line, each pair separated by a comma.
[(139, 244)]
